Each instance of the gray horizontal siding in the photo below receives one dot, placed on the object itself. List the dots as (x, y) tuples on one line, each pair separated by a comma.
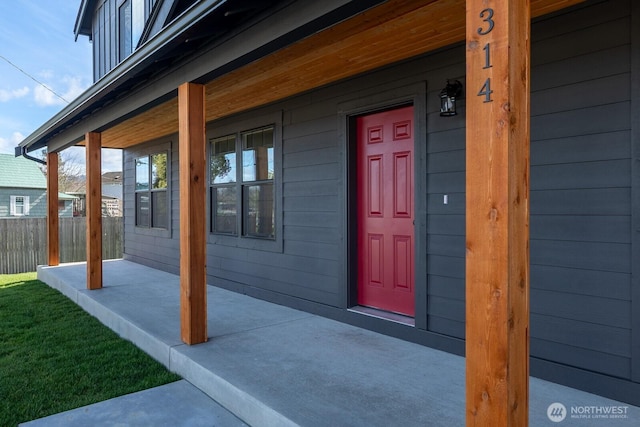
[(580, 196), (574, 37), (311, 234), (583, 148), (602, 284), (581, 95), (585, 121), (446, 182), (582, 308), (595, 361), (320, 187), (614, 257), (582, 335), (601, 174), (604, 229), (449, 140), (581, 201), (276, 277), (584, 68)]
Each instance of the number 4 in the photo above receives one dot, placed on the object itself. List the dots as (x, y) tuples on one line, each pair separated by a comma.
[(486, 90)]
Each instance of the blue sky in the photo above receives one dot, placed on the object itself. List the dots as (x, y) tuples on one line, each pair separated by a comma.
[(37, 37)]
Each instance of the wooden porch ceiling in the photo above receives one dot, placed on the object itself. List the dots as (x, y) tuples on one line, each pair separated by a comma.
[(391, 32)]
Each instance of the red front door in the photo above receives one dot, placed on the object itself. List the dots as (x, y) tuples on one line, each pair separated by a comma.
[(385, 211)]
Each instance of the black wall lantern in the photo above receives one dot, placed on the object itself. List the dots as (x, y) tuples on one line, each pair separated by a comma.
[(448, 97)]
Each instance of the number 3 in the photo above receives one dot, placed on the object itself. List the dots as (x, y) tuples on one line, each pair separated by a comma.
[(488, 19)]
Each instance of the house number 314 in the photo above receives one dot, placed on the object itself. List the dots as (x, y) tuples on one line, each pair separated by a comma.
[(487, 26)]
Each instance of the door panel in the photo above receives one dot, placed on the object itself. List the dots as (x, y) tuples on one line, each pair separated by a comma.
[(385, 211)]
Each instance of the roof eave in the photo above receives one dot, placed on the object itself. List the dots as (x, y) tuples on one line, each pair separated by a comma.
[(120, 73), (83, 19)]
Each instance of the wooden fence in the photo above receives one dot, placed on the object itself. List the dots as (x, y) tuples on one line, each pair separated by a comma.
[(23, 242)]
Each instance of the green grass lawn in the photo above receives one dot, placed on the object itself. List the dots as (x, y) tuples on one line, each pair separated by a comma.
[(55, 357)]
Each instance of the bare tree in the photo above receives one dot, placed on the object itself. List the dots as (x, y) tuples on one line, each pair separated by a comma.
[(69, 172)]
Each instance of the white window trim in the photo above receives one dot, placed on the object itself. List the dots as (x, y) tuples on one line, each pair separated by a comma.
[(25, 207)]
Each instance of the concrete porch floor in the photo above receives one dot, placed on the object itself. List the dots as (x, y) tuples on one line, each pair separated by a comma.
[(270, 365)]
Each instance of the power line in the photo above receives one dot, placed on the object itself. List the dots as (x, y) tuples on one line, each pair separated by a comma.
[(34, 79)]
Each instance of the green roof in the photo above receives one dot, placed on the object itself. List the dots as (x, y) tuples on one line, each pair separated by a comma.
[(65, 196), (18, 172)]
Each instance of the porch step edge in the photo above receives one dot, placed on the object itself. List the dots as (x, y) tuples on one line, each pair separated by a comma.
[(44, 274), (240, 403)]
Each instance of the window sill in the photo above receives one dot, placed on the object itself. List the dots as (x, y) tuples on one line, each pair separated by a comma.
[(155, 232), (246, 242)]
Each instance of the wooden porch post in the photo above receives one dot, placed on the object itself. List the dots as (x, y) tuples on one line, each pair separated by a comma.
[(192, 153), (53, 232), (94, 210), (497, 213)]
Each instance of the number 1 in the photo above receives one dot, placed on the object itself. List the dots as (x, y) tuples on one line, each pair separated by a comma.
[(487, 56)]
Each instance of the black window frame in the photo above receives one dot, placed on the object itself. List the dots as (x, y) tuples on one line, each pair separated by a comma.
[(129, 31), (152, 194), (240, 237), (125, 32)]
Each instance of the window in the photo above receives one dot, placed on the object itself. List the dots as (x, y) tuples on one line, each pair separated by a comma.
[(257, 176), (223, 193), (152, 210), (19, 206), (130, 26), (242, 184)]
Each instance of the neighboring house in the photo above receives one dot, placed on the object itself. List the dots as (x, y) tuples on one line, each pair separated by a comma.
[(23, 189), (111, 195), (112, 184), (111, 206), (76, 188), (65, 204), (302, 100)]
